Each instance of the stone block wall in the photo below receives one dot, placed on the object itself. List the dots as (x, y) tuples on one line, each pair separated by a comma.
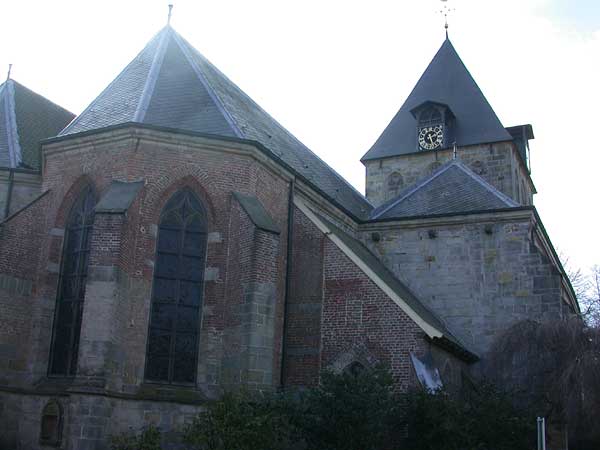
[(499, 164), (479, 277)]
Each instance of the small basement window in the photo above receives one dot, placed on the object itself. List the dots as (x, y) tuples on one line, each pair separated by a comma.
[(51, 424)]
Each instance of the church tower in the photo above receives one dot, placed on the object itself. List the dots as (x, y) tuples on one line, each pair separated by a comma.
[(446, 116)]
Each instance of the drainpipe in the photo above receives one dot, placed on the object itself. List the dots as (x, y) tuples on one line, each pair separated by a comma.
[(288, 276), (11, 182)]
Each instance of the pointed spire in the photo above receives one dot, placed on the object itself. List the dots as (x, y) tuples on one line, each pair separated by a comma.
[(446, 81), (170, 11), (8, 74)]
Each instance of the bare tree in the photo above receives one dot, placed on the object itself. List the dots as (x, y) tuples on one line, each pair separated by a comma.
[(587, 290), (553, 367), (589, 300)]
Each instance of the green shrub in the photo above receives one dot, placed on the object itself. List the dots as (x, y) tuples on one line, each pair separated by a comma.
[(148, 439), (347, 411), (482, 418), (240, 421)]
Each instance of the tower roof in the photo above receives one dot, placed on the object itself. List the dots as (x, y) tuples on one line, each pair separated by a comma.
[(447, 81), (26, 118), (170, 84)]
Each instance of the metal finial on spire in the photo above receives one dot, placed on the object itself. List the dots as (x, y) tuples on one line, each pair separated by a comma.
[(8, 74), (445, 11), (169, 18)]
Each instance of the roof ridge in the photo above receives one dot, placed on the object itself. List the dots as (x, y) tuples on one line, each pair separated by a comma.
[(148, 91), (209, 88), (505, 198), (415, 187), (110, 85), (275, 121), (14, 147)]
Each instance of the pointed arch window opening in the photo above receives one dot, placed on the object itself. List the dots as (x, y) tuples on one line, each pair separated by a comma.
[(177, 293), (71, 290)]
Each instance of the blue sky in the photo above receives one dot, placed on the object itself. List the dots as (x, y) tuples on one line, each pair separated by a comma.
[(581, 15)]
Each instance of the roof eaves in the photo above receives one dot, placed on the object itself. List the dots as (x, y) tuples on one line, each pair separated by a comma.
[(241, 140)]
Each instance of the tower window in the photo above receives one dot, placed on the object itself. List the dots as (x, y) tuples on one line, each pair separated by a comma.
[(72, 280), (431, 116), (177, 291)]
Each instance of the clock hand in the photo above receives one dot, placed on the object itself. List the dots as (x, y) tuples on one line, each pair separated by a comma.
[(430, 138)]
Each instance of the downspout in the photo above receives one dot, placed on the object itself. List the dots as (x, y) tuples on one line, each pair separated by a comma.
[(11, 182), (288, 277)]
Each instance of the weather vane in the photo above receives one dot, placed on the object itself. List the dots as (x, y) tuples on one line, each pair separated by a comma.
[(445, 11)]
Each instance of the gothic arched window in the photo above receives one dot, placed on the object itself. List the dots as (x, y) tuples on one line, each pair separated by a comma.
[(177, 291), (73, 274)]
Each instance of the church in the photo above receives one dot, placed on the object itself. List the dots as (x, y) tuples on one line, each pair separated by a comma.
[(174, 241)]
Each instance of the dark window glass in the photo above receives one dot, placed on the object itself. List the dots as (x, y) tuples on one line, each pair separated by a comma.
[(177, 291), (69, 306)]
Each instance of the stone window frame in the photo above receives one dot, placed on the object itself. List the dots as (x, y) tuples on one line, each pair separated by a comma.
[(180, 200), (80, 220), (52, 409)]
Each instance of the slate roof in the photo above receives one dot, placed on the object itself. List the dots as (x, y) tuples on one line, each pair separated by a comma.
[(26, 118), (453, 188), (375, 264), (170, 84), (447, 81)]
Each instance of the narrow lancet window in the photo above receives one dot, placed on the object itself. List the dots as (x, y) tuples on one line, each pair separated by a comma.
[(177, 291), (71, 292)]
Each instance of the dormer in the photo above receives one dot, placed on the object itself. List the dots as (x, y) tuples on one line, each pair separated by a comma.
[(434, 125)]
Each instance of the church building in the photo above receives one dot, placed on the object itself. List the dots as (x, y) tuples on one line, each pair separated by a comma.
[(174, 241)]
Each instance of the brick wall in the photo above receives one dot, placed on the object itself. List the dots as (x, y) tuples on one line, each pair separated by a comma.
[(303, 327), (361, 321), (20, 242)]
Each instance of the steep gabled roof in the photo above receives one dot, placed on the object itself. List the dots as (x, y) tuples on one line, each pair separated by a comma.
[(26, 118), (170, 84), (447, 81), (453, 188)]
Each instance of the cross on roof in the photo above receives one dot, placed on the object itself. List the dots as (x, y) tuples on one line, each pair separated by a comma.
[(445, 11)]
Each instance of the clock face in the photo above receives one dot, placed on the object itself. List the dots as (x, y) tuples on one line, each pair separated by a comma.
[(431, 138)]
